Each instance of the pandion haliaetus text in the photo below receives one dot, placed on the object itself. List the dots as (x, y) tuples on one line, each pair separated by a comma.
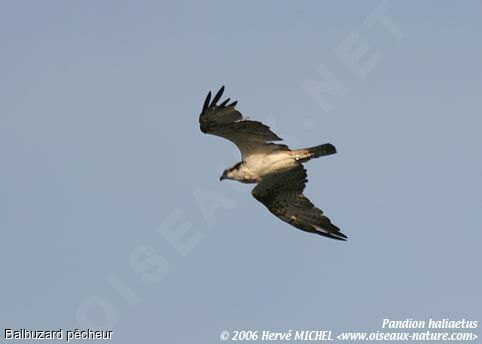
[(277, 170)]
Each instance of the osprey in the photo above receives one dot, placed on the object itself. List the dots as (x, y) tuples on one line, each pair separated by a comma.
[(276, 169)]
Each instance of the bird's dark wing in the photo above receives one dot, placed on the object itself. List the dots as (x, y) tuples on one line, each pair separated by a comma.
[(282, 194), (225, 121)]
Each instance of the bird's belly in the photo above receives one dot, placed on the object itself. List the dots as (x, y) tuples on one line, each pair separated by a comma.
[(262, 165)]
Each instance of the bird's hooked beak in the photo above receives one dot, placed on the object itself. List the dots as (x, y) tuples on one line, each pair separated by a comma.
[(224, 176)]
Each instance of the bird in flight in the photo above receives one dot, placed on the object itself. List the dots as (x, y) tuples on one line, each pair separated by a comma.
[(276, 170)]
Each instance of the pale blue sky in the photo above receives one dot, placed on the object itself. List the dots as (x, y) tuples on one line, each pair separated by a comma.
[(100, 147)]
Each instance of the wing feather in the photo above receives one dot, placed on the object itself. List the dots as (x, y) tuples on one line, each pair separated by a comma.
[(225, 121), (282, 194), (218, 95)]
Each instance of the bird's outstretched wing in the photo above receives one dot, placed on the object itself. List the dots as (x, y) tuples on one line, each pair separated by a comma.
[(225, 121), (282, 194)]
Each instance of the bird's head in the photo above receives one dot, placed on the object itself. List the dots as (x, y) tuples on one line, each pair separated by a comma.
[(233, 173)]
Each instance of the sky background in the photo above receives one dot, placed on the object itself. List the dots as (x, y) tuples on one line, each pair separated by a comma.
[(103, 165)]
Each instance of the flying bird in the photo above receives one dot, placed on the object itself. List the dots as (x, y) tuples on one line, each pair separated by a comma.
[(276, 170)]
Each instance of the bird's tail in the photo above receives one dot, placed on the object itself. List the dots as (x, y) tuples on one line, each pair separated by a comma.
[(306, 154)]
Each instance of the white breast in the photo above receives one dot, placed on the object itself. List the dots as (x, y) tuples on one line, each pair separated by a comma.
[(262, 164)]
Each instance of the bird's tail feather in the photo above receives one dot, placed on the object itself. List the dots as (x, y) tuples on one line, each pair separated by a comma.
[(306, 154)]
